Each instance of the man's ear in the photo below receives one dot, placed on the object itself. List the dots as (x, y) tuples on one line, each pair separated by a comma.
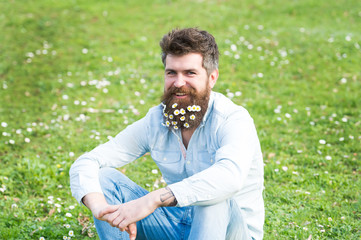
[(213, 78)]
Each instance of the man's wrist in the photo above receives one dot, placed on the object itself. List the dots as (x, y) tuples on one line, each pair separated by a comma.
[(164, 197)]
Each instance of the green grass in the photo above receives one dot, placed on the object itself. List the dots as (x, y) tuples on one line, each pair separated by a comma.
[(295, 65)]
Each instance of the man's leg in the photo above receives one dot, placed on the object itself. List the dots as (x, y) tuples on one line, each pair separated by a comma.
[(164, 223), (218, 222)]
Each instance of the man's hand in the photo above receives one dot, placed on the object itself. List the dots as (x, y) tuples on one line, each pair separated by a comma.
[(102, 211), (125, 216)]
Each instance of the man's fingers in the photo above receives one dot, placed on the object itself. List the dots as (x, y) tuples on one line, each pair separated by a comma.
[(132, 231)]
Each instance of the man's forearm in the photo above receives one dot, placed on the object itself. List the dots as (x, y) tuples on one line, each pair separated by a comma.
[(94, 201), (165, 197)]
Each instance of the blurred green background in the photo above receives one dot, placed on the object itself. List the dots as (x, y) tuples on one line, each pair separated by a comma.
[(75, 73)]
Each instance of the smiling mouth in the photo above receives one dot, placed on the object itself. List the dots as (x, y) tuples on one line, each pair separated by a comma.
[(180, 94)]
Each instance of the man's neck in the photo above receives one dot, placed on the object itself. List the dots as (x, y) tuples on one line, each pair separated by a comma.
[(186, 136)]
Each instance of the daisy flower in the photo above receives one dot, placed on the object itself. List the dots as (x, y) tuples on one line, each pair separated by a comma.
[(189, 108), (198, 108), (182, 111), (167, 123), (174, 123), (183, 118), (175, 127), (171, 116), (192, 117), (174, 105), (186, 125), (176, 112), (194, 108), (165, 114)]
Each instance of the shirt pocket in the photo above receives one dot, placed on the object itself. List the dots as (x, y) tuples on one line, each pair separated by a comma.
[(205, 159), (171, 164)]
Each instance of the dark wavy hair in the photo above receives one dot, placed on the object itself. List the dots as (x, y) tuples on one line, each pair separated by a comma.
[(180, 42)]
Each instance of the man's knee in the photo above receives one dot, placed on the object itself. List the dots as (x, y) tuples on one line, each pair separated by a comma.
[(213, 211)]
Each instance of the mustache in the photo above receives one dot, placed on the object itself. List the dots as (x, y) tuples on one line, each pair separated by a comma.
[(183, 89), (168, 94)]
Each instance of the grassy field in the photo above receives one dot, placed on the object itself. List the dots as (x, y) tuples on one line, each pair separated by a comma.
[(74, 73)]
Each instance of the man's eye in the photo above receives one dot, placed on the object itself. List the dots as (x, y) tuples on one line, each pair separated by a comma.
[(170, 73), (191, 73)]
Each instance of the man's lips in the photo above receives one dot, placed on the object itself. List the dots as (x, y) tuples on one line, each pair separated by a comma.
[(180, 95)]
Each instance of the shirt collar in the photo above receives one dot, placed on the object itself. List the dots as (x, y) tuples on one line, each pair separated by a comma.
[(209, 109)]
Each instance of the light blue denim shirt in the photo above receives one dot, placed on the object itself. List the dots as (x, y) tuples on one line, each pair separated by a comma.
[(223, 159)]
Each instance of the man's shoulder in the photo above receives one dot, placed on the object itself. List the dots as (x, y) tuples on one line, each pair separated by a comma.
[(225, 107), (155, 113)]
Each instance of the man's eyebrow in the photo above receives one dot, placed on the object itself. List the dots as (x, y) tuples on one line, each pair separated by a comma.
[(185, 70)]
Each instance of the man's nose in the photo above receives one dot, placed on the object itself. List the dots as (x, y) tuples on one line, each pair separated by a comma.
[(180, 81)]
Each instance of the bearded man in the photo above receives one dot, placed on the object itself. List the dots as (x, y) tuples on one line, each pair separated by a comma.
[(205, 146)]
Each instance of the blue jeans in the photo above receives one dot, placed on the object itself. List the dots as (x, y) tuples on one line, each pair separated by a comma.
[(219, 221)]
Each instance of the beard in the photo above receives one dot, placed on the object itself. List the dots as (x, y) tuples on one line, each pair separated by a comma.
[(184, 113)]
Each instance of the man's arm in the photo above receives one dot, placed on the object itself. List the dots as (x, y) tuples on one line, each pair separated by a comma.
[(125, 216)]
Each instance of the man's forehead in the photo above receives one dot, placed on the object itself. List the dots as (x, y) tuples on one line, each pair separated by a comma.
[(190, 60)]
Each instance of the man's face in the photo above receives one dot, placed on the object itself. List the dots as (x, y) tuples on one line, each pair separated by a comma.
[(186, 84), (186, 72)]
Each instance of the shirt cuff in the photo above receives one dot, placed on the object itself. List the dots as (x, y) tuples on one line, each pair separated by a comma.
[(181, 193)]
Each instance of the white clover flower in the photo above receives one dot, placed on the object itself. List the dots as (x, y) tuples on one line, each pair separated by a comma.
[(186, 125), (174, 105), (11, 141), (343, 80), (4, 124), (182, 111), (192, 117), (328, 158), (176, 112), (322, 141), (182, 118)]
